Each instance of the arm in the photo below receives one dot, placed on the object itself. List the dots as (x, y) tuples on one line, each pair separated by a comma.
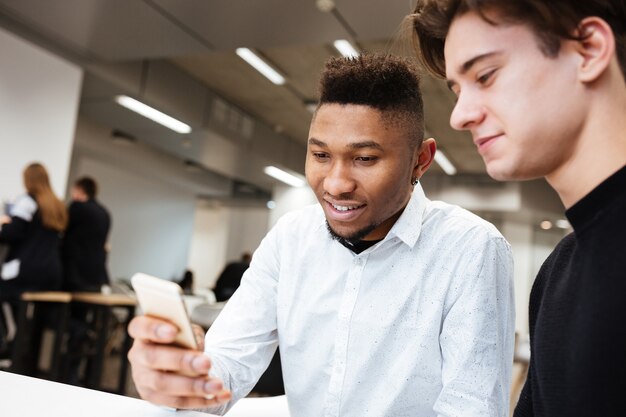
[(477, 336), (244, 338), (13, 229)]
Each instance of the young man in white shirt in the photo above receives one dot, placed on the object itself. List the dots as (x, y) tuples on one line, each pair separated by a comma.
[(541, 86), (382, 302)]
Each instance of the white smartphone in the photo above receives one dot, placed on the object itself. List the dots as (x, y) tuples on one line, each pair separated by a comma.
[(164, 299)]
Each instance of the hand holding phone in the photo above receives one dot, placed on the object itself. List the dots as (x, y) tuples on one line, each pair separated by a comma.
[(164, 299)]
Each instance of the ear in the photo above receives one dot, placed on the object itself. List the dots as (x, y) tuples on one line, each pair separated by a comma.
[(425, 157), (597, 48)]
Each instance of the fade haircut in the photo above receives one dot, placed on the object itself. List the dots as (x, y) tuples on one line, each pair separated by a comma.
[(88, 185), (387, 83), (551, 21)]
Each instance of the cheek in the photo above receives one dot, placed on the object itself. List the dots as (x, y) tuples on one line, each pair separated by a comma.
[(311, 172)]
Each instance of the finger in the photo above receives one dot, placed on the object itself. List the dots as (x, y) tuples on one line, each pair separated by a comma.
[(168, 358), (178, 385), (179, 402), (152, 329)]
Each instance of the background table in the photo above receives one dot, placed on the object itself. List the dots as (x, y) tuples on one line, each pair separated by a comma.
[(102, 306)]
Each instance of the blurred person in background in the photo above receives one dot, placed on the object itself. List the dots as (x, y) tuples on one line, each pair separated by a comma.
[(84, 258), (84, 245), (230, 278), (32, 230)]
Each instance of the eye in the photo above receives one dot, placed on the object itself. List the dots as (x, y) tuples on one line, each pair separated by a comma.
[(321, 156), (367, 160), (485, 77)]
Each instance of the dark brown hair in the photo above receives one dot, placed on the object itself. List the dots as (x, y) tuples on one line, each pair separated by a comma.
[(387, 83), (88, 185), (551, 21), (53, 212)]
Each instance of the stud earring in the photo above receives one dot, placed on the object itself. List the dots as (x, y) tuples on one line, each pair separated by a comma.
[(414, 181)]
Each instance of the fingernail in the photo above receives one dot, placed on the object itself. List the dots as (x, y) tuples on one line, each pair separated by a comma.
[(212, 386), (165, 332), (200, 364)]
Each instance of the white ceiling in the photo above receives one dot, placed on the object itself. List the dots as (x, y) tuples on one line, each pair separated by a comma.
[(197, 38)]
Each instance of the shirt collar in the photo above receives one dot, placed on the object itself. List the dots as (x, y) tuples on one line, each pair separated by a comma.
[(409, 225)]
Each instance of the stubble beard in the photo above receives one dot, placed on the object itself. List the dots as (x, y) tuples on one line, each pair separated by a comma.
[(352, 239)]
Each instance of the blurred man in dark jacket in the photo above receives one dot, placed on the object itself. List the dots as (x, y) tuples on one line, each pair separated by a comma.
[(84, 245), (230, 278)]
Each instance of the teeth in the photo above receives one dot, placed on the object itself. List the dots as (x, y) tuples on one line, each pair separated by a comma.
[(345, 208)]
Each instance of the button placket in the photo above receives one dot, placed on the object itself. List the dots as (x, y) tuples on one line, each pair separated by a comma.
[(346, 309)]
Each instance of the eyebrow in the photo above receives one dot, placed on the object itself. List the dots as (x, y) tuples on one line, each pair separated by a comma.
[(467, 65), (354, 145)]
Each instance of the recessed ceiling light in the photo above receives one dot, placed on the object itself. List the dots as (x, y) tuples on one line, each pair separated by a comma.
[(345, 48), (442, 160), (153, 114), (286, 177), (562, 224), (546, 225), (263, 67)]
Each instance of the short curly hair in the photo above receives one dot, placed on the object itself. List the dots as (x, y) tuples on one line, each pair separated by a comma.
[(387, 83)]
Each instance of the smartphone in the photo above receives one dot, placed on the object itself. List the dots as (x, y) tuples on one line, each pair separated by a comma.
[(164, 300)]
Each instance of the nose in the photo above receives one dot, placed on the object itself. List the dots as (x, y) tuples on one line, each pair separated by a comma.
[(339, 180), (467, 112)]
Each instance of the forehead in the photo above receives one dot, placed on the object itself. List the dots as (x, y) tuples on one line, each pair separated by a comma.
[(339, 123), (470, 36)]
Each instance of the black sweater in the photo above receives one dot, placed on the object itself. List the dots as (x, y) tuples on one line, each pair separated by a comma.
[(578, 314)]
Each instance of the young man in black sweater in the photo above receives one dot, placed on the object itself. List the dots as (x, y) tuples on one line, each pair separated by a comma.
[(540, 86)]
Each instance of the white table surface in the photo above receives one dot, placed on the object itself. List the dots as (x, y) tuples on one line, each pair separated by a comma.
[(22, 396)]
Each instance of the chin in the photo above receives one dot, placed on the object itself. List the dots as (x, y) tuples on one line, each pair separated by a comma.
[(499, 172), (511, 174)]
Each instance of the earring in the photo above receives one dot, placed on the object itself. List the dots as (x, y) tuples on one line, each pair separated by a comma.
[(414, 181)]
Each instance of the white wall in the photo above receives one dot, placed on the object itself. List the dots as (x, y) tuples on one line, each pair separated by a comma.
[(248, 226), (207, 255), (220, 235), (39, 96)]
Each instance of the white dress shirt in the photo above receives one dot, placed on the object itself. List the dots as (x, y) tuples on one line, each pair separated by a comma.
[(420, 324)]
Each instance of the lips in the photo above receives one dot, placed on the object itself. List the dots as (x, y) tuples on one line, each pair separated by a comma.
[(344, 211), (484, 142)]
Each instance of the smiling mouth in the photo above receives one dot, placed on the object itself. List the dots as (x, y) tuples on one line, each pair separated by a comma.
[(346, 208)]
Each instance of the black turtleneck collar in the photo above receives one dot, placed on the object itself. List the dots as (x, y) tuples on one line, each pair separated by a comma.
[(593, 206)]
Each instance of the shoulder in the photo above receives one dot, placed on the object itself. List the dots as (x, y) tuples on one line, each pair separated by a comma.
[(455, 222), (301, 220), (557, 260), (24, 208)]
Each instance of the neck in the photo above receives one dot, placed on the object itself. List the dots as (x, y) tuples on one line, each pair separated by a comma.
[(600, 148)]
